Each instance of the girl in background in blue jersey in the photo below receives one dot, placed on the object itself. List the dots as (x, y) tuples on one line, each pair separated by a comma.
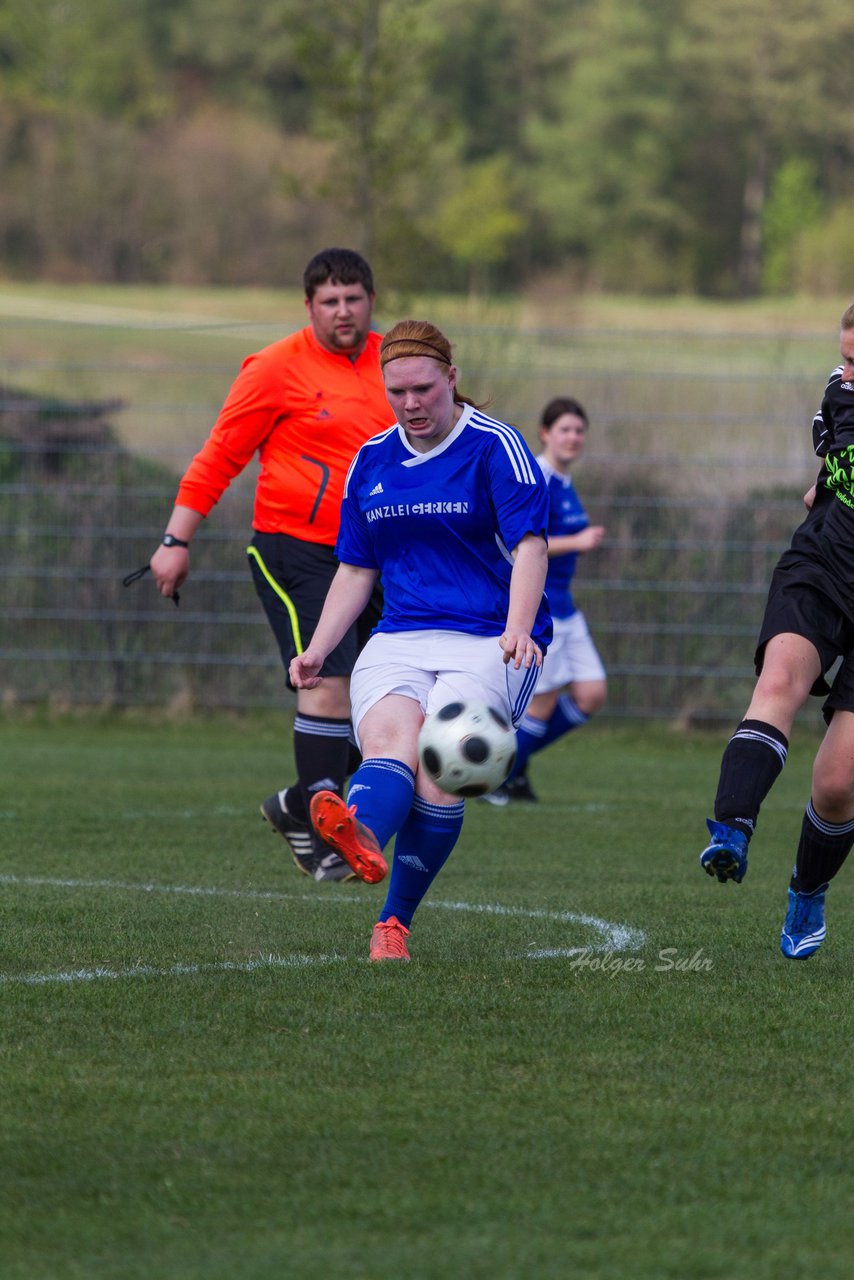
[(450, 508), (574, 685)]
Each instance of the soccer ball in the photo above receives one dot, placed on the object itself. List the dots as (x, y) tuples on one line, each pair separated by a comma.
[(467, 748)]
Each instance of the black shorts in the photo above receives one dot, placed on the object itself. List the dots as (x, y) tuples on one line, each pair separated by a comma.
[(292, 578), (799, 606)]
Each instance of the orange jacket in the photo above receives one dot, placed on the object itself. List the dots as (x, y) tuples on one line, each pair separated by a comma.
[(307, 412)]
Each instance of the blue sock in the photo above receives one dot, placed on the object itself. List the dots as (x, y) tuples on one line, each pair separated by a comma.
[(566, 716), (529, 736), (382, 792), (422, 848), (532, 735)]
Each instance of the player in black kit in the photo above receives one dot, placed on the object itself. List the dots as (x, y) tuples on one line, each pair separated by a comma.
[(808, 625)]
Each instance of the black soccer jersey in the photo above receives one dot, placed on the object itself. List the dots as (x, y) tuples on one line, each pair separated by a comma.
[(822, 549)]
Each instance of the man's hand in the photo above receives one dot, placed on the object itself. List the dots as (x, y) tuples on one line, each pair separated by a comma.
[(170, 566)]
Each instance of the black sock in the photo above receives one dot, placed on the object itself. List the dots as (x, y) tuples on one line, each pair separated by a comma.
[(751, 764), (823, 848), (354, 758), (321, 753), (294, 803)]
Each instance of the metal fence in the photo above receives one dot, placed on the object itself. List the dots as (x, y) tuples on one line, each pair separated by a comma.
[(698, 454)]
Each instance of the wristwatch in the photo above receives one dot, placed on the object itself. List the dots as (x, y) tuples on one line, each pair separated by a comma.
[(169, 540)]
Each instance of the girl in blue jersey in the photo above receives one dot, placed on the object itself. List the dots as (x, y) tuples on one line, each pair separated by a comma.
[(573, 686), (450, 508)]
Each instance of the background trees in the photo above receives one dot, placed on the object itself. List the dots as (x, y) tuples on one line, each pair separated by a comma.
[(654, 145)]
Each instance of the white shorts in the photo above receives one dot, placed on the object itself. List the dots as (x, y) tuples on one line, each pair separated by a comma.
[(572, 655), (438, 667)]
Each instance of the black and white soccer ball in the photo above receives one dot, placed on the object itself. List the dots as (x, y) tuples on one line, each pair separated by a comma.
[(467, 748)]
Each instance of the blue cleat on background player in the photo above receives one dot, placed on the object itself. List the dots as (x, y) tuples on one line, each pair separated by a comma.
[(804, 928), (726, 856)]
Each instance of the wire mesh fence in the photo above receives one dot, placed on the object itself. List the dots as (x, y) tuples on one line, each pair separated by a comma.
[(698, 454)]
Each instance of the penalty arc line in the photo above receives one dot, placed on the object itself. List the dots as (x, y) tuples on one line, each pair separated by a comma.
[(612, 936)]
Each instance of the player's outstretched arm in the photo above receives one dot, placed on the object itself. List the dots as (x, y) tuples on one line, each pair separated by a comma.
[(527, 581), (349, 592), (585, 540)]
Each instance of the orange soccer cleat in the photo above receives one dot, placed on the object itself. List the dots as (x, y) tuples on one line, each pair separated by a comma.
[(338, 826), (388, 940)]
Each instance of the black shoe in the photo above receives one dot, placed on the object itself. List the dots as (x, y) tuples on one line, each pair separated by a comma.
[(521, 789), (313, 859)]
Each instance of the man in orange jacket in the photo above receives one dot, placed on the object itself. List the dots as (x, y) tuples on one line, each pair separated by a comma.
[(306, 404)]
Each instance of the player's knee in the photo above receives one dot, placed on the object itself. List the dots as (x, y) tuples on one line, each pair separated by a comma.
[(590, 697), (780, 683), (330, 698), (833, 790)]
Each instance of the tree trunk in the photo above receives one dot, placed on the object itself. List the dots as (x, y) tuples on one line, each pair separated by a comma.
[(750, 257)]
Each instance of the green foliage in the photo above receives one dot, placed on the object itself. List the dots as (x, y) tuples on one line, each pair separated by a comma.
[(96, 56), (766, 82), (643, 140), (608, 152), (794, 206), (213, 195), (824, 253), (477, 223)]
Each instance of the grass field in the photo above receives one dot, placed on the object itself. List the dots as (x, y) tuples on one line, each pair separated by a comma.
[(597, 1065)]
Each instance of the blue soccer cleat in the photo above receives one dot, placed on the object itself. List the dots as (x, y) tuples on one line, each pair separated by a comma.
[(803, 929), (726, 856)]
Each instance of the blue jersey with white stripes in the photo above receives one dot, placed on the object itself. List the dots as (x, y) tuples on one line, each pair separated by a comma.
[(566, 516), (439, 526)]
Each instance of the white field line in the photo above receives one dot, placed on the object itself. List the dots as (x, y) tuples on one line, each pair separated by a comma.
[(235, 811), (176, 971), (611, 937)]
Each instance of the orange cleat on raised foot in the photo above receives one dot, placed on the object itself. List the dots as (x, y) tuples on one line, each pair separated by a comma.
[(338, 826), (388, 940)]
